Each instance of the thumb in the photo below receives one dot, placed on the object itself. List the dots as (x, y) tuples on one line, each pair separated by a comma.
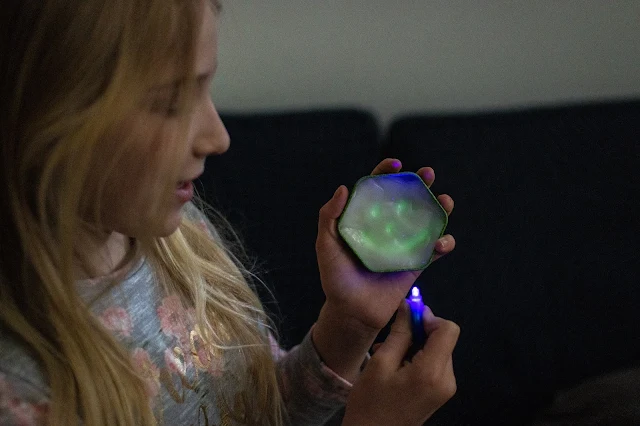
[(329, 213), (395, 347)]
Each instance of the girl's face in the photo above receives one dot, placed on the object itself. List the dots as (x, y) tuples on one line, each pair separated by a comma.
[(159, 127)]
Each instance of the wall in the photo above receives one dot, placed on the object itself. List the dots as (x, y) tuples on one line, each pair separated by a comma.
[(404, 56)]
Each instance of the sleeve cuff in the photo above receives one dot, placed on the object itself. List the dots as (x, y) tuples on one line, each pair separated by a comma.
[(323, 381)]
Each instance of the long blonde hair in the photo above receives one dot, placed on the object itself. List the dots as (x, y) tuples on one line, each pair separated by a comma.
[(69, 72)]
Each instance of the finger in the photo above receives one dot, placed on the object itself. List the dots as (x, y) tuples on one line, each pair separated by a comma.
[(446, 202), (428, 175), (444, 245), (329, 213), (442, 338), (375, 347), (392, 351), (449, 370), (450, 386), (388, 165), (427, 316)]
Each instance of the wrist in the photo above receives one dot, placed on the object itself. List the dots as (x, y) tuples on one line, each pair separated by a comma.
[(342, 342), (343, 322)]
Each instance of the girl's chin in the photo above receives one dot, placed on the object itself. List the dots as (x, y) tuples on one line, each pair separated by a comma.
[(170, 224)]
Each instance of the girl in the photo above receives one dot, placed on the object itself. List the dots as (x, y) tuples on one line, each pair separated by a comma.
[(121, 303)]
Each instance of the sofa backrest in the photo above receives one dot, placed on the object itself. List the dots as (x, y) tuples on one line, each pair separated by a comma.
[(544, 279)]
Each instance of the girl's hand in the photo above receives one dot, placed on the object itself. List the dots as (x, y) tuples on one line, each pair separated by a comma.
[(393, 392), (354, 295)]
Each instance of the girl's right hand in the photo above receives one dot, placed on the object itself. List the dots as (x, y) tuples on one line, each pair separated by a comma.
[(391, 391)]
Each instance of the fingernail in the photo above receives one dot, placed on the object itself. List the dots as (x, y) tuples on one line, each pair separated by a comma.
[(335, 194), (396, 164)]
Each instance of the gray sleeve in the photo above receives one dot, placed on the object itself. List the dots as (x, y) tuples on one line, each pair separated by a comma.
[(22, 402), (24, 393), (313, 393)]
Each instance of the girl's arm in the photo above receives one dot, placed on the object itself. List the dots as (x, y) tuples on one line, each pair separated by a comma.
[(313, 393)]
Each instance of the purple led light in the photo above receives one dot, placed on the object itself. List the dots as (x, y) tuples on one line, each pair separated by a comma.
[(415, 303), (415, 292), (416, 306)]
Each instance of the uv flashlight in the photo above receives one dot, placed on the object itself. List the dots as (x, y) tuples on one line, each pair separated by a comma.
[(419, 337)]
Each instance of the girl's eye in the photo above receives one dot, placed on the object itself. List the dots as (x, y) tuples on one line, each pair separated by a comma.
[(166, 101), (166, 104)]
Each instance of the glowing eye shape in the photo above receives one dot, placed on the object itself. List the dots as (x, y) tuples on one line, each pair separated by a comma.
[(375, 211), (392, 222), (401, 207)]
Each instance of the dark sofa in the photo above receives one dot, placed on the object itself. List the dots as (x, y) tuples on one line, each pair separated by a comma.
[(544, 279)]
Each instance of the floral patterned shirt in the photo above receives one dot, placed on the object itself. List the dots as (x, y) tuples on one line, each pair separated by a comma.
[(165, 346)]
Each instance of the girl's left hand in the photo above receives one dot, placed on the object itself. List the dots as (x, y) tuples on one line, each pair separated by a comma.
[(359, 296)]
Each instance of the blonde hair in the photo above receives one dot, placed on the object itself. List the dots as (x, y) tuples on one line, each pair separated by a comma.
[(69, 72)]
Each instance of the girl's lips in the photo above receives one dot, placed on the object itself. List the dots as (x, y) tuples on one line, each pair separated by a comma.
[(184, 191)]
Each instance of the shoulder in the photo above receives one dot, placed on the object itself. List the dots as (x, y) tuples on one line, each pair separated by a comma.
[(192, 212), (24, 393), (17, 361), (197, 216)]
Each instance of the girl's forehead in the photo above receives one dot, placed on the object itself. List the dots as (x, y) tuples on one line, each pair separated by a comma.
[(205, 50), (207, 42)]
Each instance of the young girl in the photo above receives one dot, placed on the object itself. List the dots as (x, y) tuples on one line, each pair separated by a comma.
[(121, 303)]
